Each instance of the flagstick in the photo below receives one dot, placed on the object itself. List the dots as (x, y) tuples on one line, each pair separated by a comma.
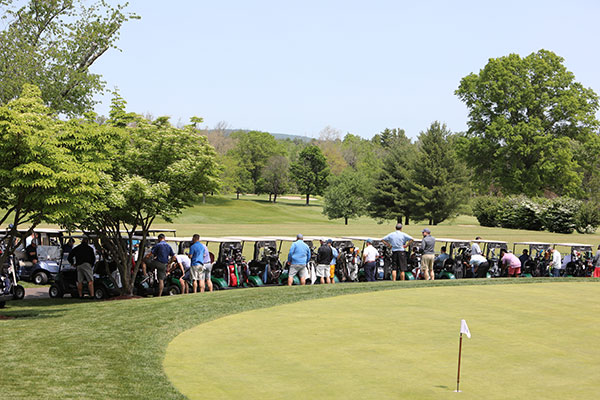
[(459, 354)]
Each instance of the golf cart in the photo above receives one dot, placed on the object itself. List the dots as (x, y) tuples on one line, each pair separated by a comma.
[(265, 266), (384, 261), (491, 250), (459, 254), (537, 265), (311, 263), (9, 287), (49, 253), (413, 259), (578, 261), (66, 279), (230, 268)]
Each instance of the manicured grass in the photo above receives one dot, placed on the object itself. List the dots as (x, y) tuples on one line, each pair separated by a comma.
[(399, 344), (70, 349)]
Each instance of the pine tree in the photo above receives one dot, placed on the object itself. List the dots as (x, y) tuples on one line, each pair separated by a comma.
[(440, 180)]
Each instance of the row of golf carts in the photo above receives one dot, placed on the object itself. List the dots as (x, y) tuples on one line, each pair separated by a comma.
[(231, 268)]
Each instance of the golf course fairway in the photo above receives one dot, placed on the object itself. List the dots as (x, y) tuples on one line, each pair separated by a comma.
[(537, 341)]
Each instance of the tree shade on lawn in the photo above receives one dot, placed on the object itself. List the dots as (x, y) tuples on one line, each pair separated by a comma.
[(532, 341)]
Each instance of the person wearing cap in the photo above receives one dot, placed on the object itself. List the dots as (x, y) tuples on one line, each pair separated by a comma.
[(324, 257), (196, 255), (83, 258), (370, 255), (398, 241), (335, 253), (298, 258), (555, 265), (428, 250)]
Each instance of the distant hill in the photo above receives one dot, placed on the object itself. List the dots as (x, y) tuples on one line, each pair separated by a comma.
[(278, 136)]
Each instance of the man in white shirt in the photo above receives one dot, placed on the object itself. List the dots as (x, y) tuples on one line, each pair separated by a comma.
[(475, 249), (370, 255), (555, 265)]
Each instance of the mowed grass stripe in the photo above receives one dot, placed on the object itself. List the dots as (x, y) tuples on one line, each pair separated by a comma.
[(534, 341)]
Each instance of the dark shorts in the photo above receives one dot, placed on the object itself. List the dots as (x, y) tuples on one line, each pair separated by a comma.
[(399, 262), (161, 269)]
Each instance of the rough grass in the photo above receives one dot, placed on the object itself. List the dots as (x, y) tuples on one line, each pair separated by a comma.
[(70, 349)]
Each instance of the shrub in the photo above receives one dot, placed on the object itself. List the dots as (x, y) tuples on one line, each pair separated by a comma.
[(522, 213), (487, 210), (559, 214), (587, 218)]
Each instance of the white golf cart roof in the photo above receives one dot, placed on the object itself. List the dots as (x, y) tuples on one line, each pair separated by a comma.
[(178, 239), (219, 240), (250, 238), (572, 244), (283, 238), (363, 238), (450, 240), (42, 230), (488, 241), (533, 243), (325, 238)]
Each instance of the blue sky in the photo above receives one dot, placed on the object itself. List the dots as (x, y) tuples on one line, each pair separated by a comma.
[(358, 66)]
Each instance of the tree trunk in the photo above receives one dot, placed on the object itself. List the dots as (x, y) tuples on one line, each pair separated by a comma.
[(238, 195), (399, 219), (270, 197), (307, 198), (406, 222), (430, 221), (345, 220), (203, 198), (275, 198)]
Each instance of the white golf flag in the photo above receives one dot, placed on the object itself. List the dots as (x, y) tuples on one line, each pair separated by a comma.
[(464, 328)]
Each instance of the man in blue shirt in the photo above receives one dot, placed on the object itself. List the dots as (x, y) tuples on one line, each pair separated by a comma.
[(298, 258), (159, 258), (398, 241), (197, 269)]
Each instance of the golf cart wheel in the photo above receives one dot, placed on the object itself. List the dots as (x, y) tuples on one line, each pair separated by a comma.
[(99, 293), (2, 304), (19, 292), (40, 278), (174, 290), (54, 292)]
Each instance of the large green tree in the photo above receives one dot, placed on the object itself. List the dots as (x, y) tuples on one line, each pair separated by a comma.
[(275, 178), (52, 44), (390, 197), (345, 196), (253, 150), (310, 172), (527, 119), (156, 170), (41, 176), (440, 183)]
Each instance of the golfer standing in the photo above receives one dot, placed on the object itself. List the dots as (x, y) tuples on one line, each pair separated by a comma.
[(298, 258), (85, 258), (398, 241), (370, 255), (324, 257), (197, 257), (428, 249), (555, 262)]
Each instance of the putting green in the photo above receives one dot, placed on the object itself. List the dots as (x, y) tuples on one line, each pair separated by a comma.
[(528, 341)]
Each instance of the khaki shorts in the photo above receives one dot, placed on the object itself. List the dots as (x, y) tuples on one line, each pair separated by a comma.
[(85, 273), (323, 270), (300, 270), (196, 272), (206, 271), (427, 262)]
